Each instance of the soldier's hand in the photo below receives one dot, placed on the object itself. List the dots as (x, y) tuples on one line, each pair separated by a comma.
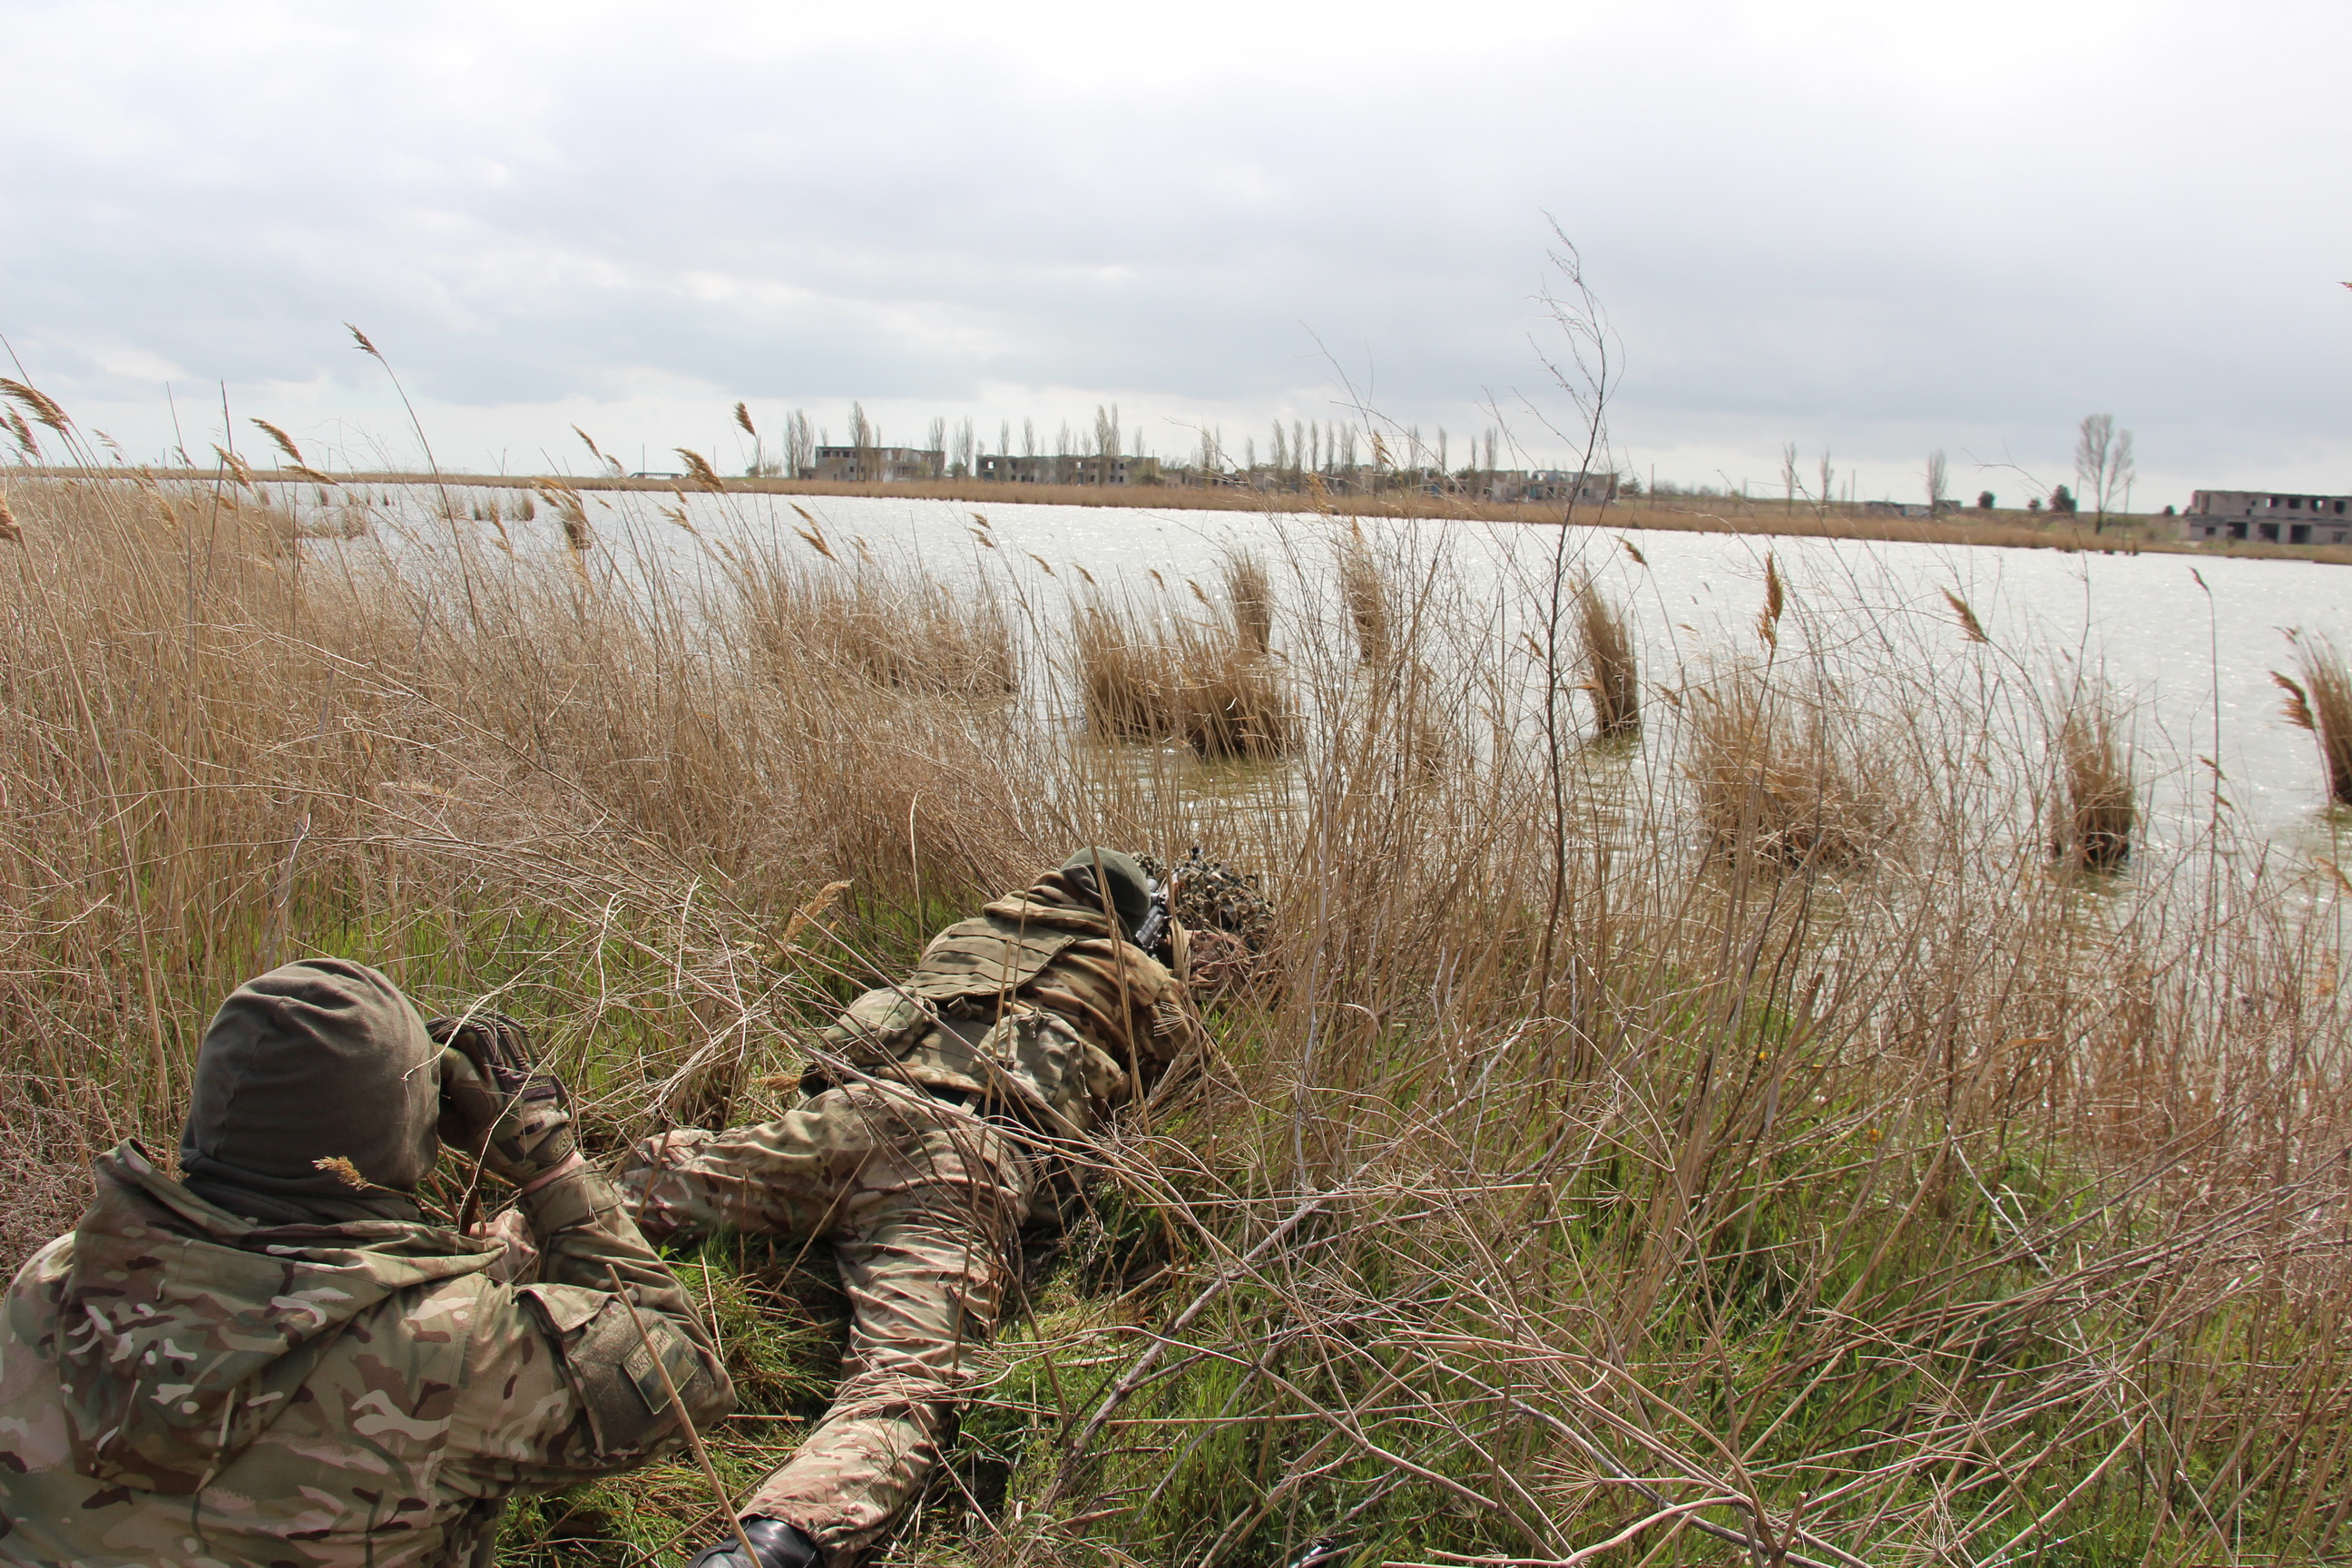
[(495, 1104)]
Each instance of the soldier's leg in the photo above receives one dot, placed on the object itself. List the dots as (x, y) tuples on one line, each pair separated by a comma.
[(926, 1241)]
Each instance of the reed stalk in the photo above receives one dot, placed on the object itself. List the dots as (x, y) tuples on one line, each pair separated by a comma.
[(1846, 1191)]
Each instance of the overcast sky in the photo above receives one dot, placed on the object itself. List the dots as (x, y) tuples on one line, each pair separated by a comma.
[(1869, 229)]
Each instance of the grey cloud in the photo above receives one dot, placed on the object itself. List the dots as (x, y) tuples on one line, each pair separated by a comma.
[(1852, 256)]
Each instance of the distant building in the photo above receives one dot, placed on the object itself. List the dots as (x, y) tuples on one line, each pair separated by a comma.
[(2269, 519), (1004, 468), (1583, 487), (876, 465)]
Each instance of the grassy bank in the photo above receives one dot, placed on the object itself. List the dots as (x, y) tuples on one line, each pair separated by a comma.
[(2009, 530), (1758, 1138)]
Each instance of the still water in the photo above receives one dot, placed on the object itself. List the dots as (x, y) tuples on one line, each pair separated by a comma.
[(2190, 642)]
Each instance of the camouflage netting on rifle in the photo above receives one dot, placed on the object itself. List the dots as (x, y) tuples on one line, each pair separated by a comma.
[(1229, 917)]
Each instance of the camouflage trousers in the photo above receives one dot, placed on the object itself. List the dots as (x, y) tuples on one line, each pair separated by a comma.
[(922, 1202)]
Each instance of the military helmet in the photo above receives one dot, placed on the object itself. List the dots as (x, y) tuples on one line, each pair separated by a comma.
[(1130, 889)]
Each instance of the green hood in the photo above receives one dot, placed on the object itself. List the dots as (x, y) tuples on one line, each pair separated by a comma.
[(181, 1330)]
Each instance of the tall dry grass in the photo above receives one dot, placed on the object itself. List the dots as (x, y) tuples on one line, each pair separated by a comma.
[(2322, 703), (901, 631), (1612, 674), (1146, 675), (1366, 590), (1866, 1195), (1249, 593), (1783, 775), (2096, 813)]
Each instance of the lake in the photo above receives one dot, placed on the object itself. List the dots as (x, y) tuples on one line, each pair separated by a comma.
[(2192, 657)]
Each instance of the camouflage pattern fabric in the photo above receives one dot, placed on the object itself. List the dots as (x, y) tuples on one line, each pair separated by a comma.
[(922, 1202), (178, 1386), (1034, 1012), (1091, 1019)]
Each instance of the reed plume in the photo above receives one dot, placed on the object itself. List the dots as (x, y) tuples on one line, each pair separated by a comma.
[(2322, 703)]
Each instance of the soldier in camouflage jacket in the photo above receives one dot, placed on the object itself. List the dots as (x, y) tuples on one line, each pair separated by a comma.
[(917, 1155), (275, 1362)]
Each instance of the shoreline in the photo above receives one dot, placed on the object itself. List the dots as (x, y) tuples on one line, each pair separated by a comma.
[(2003, 528)]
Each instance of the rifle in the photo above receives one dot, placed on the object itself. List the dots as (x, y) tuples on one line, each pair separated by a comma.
[(1151, 936)]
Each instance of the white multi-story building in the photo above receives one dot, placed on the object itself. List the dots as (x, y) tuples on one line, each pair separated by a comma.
[(2269, 519)]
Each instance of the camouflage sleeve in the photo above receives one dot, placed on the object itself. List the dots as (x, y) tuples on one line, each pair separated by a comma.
[(561, 1383)]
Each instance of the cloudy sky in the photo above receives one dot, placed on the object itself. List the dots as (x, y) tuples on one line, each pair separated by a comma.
[(1864, 228)]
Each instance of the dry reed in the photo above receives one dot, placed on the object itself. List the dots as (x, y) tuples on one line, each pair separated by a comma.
[(1126, 682), (1607, 659), (1779, 776), (1229, 703), (1143, 681), (1894, 1212), (901, 631), (1249, 593), (1364, 588), (2098, 808), (2322, 703)]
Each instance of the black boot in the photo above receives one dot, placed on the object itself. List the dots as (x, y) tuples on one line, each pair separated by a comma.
[(778, 1545)]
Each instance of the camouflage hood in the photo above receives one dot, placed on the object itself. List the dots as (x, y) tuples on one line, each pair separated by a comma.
[(183, 1330)]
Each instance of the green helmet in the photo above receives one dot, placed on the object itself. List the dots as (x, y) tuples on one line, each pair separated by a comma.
[(1130, 889)]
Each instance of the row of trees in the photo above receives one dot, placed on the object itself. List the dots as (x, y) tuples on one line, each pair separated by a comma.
[(1333, 450), (2105, 470)]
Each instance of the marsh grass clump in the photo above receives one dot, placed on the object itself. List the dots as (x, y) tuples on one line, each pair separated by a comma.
[(1369, 599), (1139, 681), (1228, 702), (1123, 670), (1606, 653), (2097, 812), (1780, 778), (1249, 596), (2322, 703)]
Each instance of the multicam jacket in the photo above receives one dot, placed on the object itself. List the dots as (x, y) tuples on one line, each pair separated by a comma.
[(1035, 1003), (182, 1386)]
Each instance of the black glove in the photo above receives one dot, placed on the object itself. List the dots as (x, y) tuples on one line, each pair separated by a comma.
[(780, 1545), (495, 1104)]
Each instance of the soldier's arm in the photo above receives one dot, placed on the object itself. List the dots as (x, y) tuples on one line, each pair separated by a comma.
[(561, 1383)]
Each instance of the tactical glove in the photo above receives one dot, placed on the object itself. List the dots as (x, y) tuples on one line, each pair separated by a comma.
[(495, 1104)]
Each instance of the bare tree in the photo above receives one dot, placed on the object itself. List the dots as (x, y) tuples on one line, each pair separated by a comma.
[(800, 445), (1789, 473), (2098, 455), (1936, 490), (2123, 468), (936, 440), (862, 434), (1106, 436), (1829, 479)]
